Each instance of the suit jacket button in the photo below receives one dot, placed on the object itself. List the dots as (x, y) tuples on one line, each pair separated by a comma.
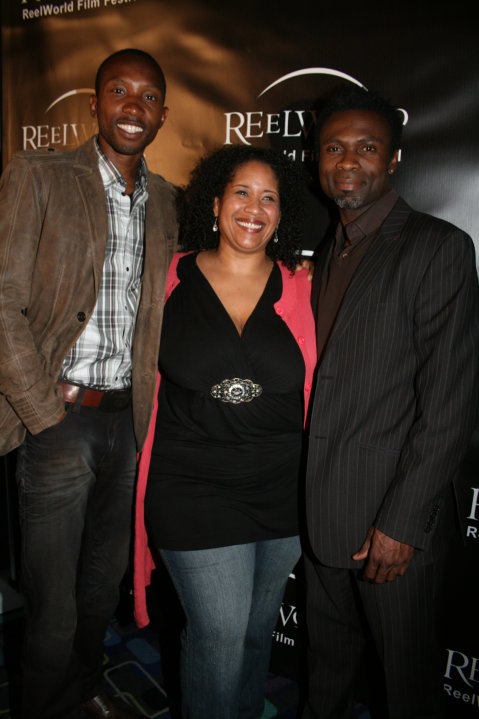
[(81, 317)]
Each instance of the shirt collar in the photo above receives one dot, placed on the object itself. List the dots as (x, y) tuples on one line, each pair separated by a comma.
[(369, 221), (112, 176)]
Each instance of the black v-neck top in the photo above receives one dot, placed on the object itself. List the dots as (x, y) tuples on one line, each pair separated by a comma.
[(224, 473)]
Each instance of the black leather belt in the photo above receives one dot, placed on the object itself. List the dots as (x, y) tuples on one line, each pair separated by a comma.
[(108, 400)]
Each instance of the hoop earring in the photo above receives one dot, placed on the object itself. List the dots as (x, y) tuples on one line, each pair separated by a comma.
[(275, 236), (215, 224)]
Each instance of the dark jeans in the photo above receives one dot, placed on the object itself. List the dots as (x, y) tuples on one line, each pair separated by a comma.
[(75, 483)]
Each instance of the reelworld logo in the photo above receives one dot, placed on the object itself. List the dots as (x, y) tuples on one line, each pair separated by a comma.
[(287, 124), (45, 8), (287, 621), (472, 530), (463, 669), (63, 135)]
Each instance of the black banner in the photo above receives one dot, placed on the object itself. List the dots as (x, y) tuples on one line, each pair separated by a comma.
[(251, 73)]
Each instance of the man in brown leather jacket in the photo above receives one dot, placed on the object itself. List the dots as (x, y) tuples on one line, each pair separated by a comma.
[(86, 238)]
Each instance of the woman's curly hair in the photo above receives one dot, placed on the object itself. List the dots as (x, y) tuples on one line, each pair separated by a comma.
[(209, 179)]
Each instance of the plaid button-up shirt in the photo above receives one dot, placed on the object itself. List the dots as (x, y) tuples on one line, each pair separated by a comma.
[(101, 357)]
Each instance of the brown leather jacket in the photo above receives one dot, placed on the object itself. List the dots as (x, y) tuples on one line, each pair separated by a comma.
[(53, 233)]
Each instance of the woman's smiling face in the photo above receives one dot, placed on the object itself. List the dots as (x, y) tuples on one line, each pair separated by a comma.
[(249, 210)]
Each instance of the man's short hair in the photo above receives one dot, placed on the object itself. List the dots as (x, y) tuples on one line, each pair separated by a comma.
[(136, 53), (358, 98)]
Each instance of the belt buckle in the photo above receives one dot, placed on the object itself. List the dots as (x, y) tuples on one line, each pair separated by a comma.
[(236, 390), (114, 400)]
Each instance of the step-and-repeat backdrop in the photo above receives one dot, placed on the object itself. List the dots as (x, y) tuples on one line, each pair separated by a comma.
[(250, 72)]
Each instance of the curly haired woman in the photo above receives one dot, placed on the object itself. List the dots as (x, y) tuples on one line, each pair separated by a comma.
[(236, 361)]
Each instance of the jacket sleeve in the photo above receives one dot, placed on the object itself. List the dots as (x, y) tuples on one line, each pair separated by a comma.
[(143, 559), (23, 378), (446, 344), (143, 563)]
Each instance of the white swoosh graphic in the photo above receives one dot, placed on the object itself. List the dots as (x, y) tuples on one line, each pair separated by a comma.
[(313, 71), (78, 91), (326, 71), (405, 114)]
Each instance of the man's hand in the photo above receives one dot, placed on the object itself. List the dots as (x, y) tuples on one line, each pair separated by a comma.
[(306, 264), (386, 557)]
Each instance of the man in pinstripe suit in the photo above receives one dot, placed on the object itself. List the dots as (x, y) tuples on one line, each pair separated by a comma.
[(396, 297)]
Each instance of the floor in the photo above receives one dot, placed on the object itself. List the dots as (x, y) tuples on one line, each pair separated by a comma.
[(133, 667)]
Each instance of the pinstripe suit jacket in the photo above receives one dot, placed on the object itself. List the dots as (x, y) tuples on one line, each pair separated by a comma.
[(396, 390)]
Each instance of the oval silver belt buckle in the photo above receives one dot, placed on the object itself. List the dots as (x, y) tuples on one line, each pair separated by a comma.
[(236, 390)]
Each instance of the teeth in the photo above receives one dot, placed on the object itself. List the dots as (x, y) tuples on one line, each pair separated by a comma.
[(250, 225), (133, 129)]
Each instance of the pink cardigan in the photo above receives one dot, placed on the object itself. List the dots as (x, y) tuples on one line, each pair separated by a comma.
[(294, 308)]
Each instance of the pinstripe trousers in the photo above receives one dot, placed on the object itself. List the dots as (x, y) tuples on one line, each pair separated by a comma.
[(401, 618)]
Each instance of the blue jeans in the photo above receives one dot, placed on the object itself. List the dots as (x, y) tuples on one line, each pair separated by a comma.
[(231, 597), (75, 483)]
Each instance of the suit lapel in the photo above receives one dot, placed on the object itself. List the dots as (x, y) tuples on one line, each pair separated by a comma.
[(92, 193), (157, 250), (378, 254)]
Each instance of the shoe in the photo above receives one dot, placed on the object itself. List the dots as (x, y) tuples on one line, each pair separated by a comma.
[(104, 706)]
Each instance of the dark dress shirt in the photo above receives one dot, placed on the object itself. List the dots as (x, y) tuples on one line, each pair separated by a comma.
[(352, 242)]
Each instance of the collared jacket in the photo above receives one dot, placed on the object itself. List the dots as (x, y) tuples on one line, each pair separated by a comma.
[(53, 235), (395, 392), (294, 308)]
